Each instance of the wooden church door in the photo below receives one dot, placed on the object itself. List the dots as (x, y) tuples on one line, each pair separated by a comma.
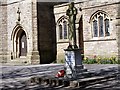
[(23, 44)]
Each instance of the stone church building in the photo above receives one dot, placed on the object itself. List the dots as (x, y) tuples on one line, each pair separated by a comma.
[(97, 28), (34, 32)]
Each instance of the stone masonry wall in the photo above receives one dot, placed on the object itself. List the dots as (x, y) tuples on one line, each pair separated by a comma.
[(35, 57), (28, 22), (3, 32), (59, 11), (105, 46), (102, 46), (25, 22), (118, 30)]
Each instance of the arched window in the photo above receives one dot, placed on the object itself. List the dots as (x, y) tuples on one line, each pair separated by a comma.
[(95, 28), (60, 32), (100, 25), (101, 33), (63, 28), (107, 33)]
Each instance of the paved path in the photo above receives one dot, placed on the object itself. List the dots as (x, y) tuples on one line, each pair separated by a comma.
[(14, 76)]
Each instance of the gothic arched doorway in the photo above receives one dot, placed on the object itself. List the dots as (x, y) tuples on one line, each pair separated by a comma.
[(19, 39), (23, 44)]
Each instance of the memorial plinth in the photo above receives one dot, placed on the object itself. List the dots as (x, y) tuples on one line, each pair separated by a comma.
[(73, 62), (73, 58)]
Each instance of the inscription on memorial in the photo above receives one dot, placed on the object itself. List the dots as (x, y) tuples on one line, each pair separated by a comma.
[(70, 62)]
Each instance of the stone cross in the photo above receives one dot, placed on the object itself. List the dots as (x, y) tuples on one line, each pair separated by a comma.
[(71, 13), (18, 12)]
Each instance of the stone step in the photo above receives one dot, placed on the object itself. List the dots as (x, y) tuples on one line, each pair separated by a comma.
[(18, 61), (81, 70), (51, 81), (39, 83), (83, 75)]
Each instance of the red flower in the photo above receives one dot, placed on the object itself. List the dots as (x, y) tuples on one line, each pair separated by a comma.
[(60, 73)]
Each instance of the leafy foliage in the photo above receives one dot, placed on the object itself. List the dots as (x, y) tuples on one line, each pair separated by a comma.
[(100, 60)]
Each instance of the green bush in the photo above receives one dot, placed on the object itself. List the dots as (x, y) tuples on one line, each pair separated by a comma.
[(62, 61), (89, 61), (100, 60)]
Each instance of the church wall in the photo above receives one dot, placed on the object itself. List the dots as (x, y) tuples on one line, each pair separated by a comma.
[(118, 30), (35, 57), (25, 16), (104, 46), (28, 22), (61, 52), (25, 22), (39, 36), (3, 32), (59, 11), (100, 49), (100, 46)]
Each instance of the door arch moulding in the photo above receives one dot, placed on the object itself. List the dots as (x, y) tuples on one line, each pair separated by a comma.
[(15, 37)]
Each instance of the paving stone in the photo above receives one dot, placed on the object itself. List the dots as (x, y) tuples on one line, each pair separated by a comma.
[(21, 78)]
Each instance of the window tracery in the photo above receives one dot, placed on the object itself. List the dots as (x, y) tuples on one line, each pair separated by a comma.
[(100, 25), (63, 29)]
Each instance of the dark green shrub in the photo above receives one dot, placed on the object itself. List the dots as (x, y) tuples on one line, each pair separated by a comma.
[(62, 61)]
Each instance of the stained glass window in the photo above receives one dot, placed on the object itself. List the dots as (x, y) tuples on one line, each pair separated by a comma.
[(65, 29), (107, 33), (60, 32), (95, 28), (101, 33), (100, 25)]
